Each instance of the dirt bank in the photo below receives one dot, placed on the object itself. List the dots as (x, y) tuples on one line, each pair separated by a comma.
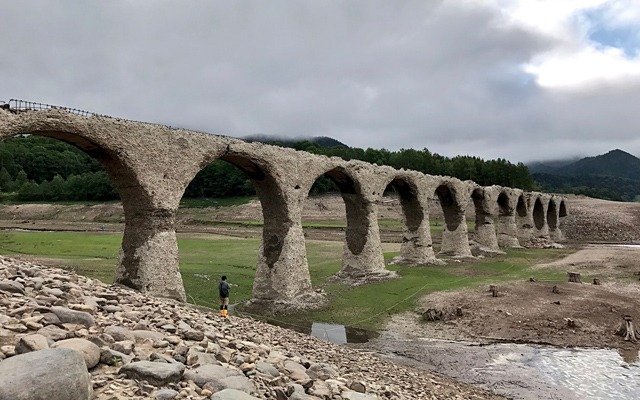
[(531, 312)]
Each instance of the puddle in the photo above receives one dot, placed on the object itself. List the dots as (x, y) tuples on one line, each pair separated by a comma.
[(337, 334), (523, 371)]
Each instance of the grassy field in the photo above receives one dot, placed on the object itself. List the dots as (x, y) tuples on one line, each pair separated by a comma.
[(204, 257)]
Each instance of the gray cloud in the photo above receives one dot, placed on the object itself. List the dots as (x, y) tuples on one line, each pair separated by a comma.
[(377, 74)]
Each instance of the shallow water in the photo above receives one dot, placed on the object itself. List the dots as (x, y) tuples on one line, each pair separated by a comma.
[(524, 371)]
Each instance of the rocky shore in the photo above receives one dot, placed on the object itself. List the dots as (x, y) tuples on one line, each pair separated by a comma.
[(66, 337)]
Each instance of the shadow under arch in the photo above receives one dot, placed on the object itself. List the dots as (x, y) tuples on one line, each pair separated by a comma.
[(450, 207), (524, 224), (562, 210), (538, 214), (552, 215)]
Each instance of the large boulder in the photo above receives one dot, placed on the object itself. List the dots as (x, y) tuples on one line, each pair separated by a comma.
[(232, 394), (219, 378), (30, 343), (88, 350), (73, 317), (49, 374), (156, 373)]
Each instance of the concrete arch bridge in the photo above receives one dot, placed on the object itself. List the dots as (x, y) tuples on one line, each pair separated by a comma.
[(151, 165)]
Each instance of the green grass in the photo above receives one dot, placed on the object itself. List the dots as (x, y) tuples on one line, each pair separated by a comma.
[(203, 258), (217, 202)]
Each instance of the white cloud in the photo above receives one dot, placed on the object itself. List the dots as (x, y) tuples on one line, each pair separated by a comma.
[(517, 79)]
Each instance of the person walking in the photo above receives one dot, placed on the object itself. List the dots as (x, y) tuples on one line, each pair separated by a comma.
[(223, 289)]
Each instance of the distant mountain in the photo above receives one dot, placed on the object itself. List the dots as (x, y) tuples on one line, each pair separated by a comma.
[(614, 175), (322, 141), (550, 167)]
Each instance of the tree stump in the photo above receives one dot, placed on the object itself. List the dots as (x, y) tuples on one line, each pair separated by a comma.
[(494, 290), (571, 323), (433, 315), (555, 289), (596, 281), (532, 279), (626, 328), (459, 311), (574, 277)]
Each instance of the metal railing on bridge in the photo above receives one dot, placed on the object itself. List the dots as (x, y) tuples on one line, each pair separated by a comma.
[(18, 106)]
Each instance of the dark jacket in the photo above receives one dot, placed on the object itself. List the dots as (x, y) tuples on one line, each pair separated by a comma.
[(223, 288)]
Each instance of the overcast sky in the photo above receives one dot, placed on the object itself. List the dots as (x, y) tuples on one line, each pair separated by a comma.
[(517, 79)]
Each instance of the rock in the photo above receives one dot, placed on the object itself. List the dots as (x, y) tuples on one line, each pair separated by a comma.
[(267, 369), (322, 371), (166, 394), (158, 374), (193, 335), (232, 394), (112, 357), (358, 387), (119, 333), (88, 350), (31, 343), (50, 374), (220, 377), (53, 332), (348, 395), (11, 287), (74, 317), (125, 346), (144, 334)]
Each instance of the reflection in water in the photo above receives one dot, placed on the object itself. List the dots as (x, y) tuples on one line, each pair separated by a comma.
[(590, 373), (337, 334)]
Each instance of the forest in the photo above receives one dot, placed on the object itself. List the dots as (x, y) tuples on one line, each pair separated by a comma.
[(35, 168)]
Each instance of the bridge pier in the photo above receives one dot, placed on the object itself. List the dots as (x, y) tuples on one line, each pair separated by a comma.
[(455, 236), (485, 229), (507, 228), (148, 259), (363, 260)]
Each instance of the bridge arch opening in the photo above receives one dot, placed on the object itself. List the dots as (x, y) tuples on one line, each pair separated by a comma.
[(562, 210), (552, 215), (97, 172), (331, 182), (480, 213), (413, 214), (264, 223), (450, 208), (521, 207), (504, 209), (538, 214)]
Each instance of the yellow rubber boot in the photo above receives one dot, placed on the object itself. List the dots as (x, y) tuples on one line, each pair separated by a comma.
[(222, 313)]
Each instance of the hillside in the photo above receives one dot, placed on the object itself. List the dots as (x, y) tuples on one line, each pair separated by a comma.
[(322, 141), (613, 176)]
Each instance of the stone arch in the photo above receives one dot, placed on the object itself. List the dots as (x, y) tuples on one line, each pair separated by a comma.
[(455, 238), (362, 260), (562, 209), (552, 215), (539, 216), (507, 226), (556, 210), (282, 276), (148, 259), (485, 229), (524, 219), (416, 247), (540, 207)]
